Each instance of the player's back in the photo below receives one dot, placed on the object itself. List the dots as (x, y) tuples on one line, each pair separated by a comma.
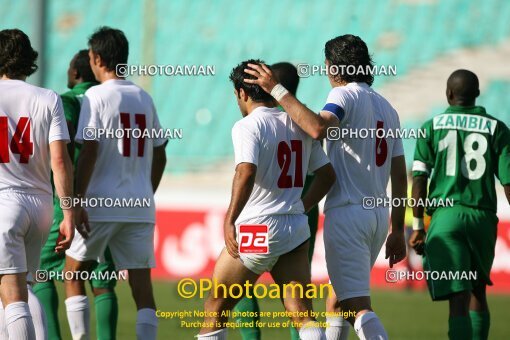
[(283, 155), (467, 148), (120, 116), (30, 119), (362, 165)]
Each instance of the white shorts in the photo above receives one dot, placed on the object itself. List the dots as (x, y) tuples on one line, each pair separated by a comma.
[(353, 238), (25, 222), (131, 244), (285, 233)]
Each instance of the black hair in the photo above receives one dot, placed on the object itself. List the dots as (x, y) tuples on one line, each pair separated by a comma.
[(17, 57), (255, 92), (82, 65), (111, 45), (348, 50), (464, 85), (287, 75)]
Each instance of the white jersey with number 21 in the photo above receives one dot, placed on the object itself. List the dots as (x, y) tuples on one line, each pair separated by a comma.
[(283, 154)]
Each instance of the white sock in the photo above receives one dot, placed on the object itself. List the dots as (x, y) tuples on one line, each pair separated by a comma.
[(19, 322), (369, 327), (146, 324), (338, 328), (311, 331), (220, 334), (78, 316), (38, 316)]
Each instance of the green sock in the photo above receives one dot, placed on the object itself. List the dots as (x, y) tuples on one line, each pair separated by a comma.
[(107, 312), (459, 328), (46, 292), (249, 331), (294, 334), (480, 322)]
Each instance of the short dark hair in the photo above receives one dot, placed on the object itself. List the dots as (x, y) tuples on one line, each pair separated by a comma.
[(347, 50), (17, 57), (82, 65), (255, 92), (287, 75), (112, 46), (464, 86)]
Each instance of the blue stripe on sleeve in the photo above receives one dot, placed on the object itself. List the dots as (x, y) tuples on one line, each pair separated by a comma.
[(335, 109)]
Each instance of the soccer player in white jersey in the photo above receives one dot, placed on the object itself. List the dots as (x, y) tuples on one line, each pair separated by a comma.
[(353, 236), (272, 156), (33, 139), (116, 168)]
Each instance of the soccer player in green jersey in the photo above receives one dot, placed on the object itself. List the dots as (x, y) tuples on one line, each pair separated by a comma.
[(466, 148), (79, 79)]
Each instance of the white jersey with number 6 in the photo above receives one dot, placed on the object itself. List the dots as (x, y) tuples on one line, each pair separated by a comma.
[(362, 165), (283, 154), (30, 119), (115, 113)]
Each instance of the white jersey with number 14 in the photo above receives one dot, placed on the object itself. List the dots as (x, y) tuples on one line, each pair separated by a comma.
[(30, 119)]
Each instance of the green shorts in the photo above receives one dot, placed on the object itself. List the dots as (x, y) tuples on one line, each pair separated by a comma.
[(460, 242), (53, 262), (313, 218)]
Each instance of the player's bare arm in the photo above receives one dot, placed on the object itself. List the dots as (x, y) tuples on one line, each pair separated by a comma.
[(324, 179), (314, 125), (507, 192), (63, 177), (84, 169), (419, 192), (158, 166), (82, 218), (395, 244), (71, 145), (244, 179)]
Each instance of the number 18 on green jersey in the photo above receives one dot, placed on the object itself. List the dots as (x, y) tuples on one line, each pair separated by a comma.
[(462, 152)]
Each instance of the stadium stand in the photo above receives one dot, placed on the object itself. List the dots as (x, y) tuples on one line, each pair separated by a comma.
[(194, 32)]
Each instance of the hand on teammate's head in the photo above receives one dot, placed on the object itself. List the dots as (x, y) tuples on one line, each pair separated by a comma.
[(263, 76)]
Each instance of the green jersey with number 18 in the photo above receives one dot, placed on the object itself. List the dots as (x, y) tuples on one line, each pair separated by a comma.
[(463, 150)]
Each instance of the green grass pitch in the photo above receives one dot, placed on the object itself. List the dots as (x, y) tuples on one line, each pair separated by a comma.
[(406, 315)]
